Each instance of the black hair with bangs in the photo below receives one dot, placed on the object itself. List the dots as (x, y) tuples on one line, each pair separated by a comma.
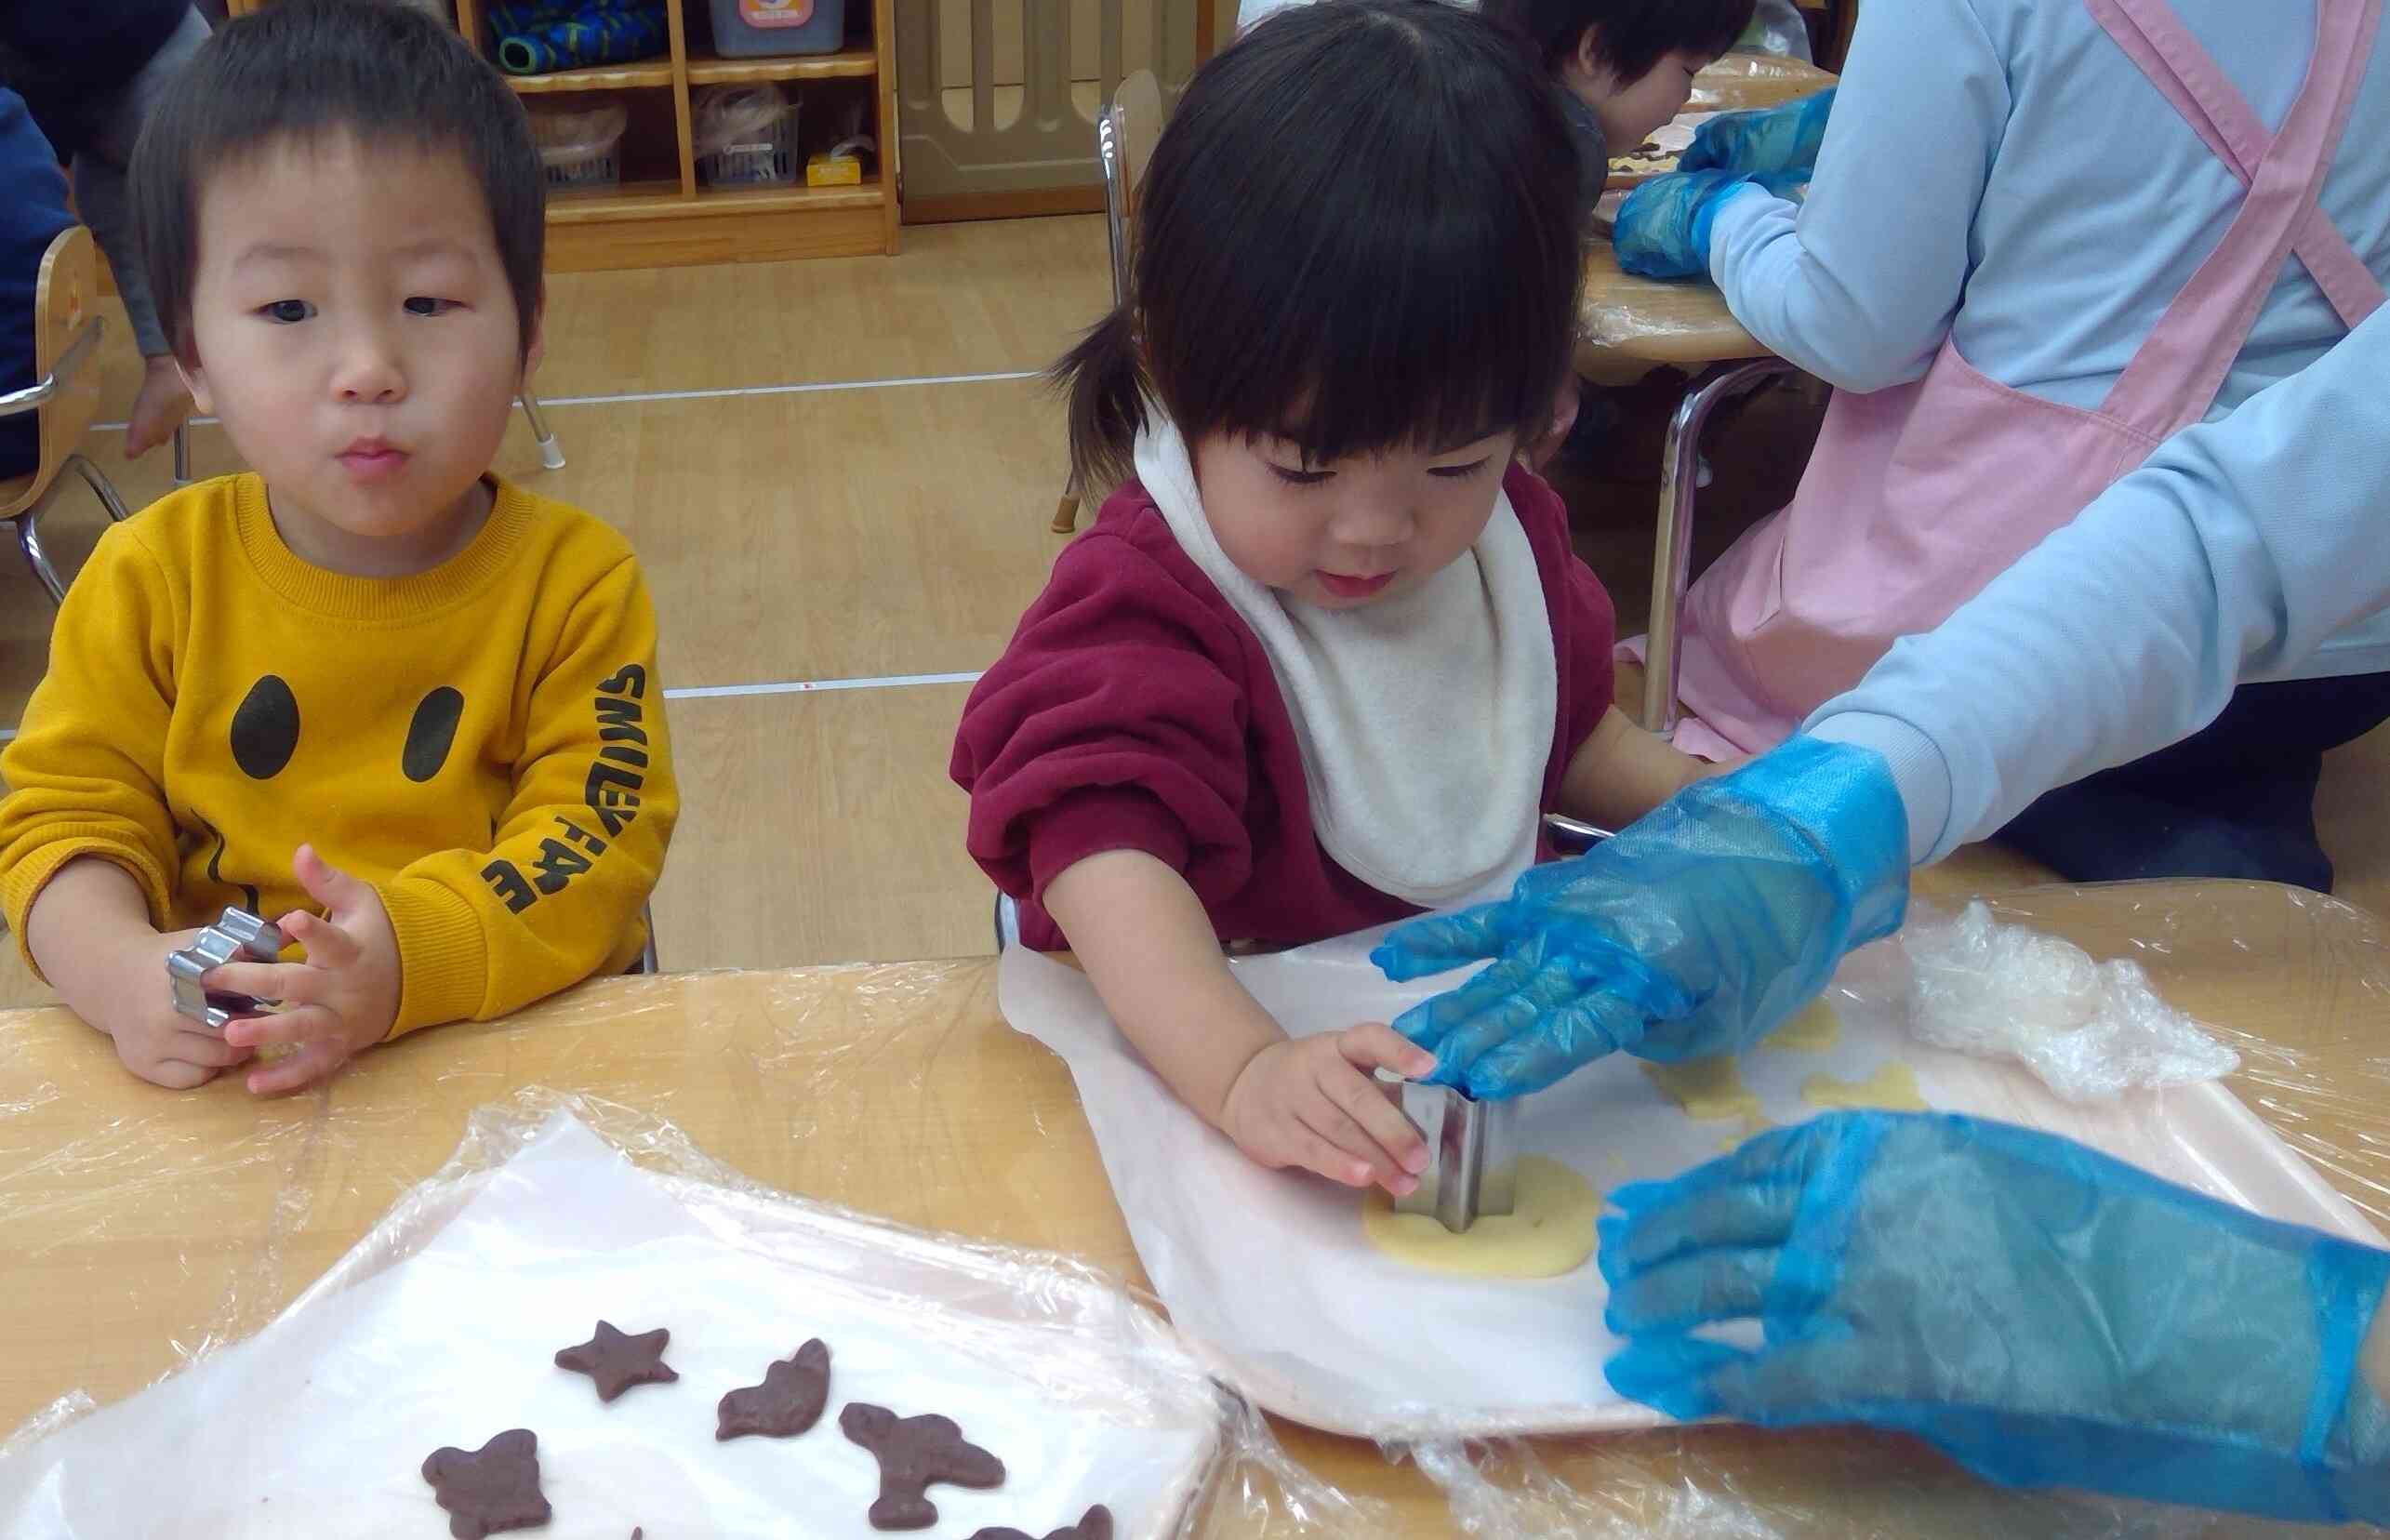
[(1359, 230), (1630, 37), (382, 70)]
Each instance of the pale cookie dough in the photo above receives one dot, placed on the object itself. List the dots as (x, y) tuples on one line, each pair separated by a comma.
[(1707, 1089), (1892, 1087), (1549, 1231), (1812, 1031), (1753, 1124)]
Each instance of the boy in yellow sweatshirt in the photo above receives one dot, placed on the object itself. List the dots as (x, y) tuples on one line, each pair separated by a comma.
[(372, 691)]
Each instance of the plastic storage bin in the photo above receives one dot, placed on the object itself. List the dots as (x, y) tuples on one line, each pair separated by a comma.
[(581, 151), (746, 136), (747, 27)]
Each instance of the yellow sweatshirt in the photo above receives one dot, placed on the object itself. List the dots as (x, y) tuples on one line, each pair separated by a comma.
[(483, 742)]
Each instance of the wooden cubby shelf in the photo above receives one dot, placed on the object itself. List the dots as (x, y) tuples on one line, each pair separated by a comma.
[(854, 62), (675, 221), (604, 77)]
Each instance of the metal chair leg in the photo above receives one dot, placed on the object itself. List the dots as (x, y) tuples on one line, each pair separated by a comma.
[(102, 487), (1065, 512), (1672, 555), (551, 454), (648, 960), (182, 453), (35, 557)]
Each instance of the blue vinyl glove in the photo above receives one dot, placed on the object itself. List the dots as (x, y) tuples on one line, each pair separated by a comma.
[(1663, 227), (1699, 929), (2042, 1313), (1761, 143)]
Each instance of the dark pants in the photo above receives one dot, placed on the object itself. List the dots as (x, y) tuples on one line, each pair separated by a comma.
[(2236, 799)]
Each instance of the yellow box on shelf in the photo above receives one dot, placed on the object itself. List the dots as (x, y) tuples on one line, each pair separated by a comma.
[(828, 171)]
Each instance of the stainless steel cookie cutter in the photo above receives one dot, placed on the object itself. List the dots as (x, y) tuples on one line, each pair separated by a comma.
[(236, 936), (1473, 1152)]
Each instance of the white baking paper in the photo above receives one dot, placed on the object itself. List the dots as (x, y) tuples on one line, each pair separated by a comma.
[(1267, 1276), (318, 1426)]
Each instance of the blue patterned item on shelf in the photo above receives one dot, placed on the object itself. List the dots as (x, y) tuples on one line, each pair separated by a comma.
[(541, 36)]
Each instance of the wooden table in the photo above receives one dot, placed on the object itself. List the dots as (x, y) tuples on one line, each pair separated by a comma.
[(1629, 323), (133, 1220)]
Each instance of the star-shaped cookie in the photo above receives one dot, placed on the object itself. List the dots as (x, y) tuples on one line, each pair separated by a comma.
[(617, 1361)]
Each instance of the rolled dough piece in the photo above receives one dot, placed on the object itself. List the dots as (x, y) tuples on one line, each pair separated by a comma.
[(1707, 1089), (1547, 1232), (1812, 1031), (1892, 1087)]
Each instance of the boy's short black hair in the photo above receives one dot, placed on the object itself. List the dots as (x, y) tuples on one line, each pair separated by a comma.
[(1359, 230), (379, 70), (1630, 37)]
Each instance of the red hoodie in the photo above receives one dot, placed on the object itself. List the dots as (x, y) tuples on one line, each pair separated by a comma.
[(1135, 709)]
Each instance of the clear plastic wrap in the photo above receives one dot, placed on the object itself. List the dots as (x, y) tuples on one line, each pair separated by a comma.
[(144, 1229), (2089, 1030), (2297, 984), (196, 1236)]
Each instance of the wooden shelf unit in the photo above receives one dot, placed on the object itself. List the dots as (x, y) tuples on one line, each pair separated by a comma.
[(677, 223)]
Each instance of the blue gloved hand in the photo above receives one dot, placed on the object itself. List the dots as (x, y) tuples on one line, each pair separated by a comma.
[(1699, 929), (1760, 143), (2042, 1313), (1663, 227)]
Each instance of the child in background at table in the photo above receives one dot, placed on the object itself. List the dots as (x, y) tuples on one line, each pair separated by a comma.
[(374, 679), (1328, 658), (1625, 67)]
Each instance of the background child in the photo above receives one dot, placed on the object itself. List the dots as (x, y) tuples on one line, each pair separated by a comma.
[(369, 675), (1625, 67), (1329, 657), (90, 73)]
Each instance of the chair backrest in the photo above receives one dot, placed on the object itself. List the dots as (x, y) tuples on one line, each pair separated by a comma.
[(66, 304), (66, 338), (1125, 136)]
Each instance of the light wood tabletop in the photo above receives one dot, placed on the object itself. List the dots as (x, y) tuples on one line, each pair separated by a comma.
[(139, 1224), (1623, 321)]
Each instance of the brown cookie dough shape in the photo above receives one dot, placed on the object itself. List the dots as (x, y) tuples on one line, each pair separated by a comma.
[(493, 1488), (914, 1453), (787, 1404), (1095, 1524), (617, 1361)]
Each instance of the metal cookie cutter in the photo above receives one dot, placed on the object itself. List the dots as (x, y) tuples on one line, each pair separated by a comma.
[(235, 936), (1473, 1152)]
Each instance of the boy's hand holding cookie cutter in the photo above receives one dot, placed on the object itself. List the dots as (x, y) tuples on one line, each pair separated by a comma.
[(236, 936)]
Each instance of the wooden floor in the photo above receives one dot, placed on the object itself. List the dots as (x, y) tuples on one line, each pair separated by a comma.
[(839, 477)]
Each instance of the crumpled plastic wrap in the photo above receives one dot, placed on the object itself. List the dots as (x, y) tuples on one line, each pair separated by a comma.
[(2296, 984), (151, 1232), (2087, 1029)]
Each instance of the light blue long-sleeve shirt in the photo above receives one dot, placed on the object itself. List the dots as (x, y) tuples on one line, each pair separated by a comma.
[(2229, 555), (1997, 172)]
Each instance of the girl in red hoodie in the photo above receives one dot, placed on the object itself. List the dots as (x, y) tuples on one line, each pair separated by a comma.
[(1326, 656)]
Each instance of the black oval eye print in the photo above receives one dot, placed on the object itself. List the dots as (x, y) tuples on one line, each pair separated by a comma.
[(265, 729), (430, 735)]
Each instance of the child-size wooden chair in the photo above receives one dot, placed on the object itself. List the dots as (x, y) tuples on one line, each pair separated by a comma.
[(66, 397), (1126, 132)]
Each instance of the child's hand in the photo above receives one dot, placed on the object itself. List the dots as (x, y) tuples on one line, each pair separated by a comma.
[(1310, 1102), (157, 1042), (338, 1002)]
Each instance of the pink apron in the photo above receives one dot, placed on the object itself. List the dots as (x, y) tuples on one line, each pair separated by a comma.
[(1917, 496)]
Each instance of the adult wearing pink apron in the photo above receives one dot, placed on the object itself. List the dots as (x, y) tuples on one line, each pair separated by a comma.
[(1917, 495)]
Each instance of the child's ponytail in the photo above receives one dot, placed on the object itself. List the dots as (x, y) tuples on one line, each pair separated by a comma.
[(1104, 385)]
